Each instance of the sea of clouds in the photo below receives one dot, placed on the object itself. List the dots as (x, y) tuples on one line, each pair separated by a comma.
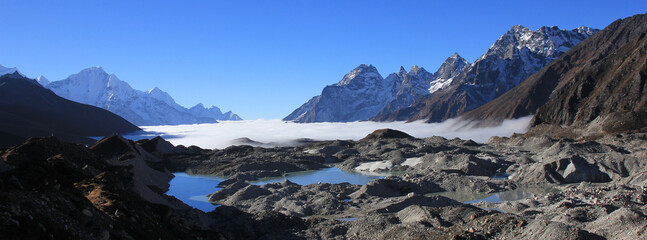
[(278, 132)]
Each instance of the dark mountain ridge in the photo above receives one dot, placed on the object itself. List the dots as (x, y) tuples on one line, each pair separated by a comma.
[(29, 110)]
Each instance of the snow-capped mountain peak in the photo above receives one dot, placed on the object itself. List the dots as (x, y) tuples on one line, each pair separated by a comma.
[(367, 72), (545, 42), (155, 107)]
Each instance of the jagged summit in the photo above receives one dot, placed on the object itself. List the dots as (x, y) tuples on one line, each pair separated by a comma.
[(366, 71)]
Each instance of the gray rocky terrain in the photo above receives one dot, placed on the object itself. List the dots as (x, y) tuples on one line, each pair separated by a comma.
[(551, 188)]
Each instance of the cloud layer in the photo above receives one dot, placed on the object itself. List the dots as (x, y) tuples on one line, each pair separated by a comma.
[(278, 132)]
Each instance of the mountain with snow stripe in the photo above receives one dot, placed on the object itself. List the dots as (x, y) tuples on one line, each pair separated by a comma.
[(515, 56), (93, 86)]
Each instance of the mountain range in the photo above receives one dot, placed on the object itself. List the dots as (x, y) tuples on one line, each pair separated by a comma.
[(596, 88), (456, 87), (364, 93), (95, 87), (28, 110)]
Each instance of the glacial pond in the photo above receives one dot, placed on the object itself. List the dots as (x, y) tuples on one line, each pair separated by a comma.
[(193, 189)]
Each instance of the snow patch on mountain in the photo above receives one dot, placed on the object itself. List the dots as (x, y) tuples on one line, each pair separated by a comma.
[(439, 84)]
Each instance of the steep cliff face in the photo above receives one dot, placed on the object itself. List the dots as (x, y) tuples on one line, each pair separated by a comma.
[(601, 80), (516, 55)]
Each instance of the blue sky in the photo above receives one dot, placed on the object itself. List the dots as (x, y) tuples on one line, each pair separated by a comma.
[(263, 59)]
